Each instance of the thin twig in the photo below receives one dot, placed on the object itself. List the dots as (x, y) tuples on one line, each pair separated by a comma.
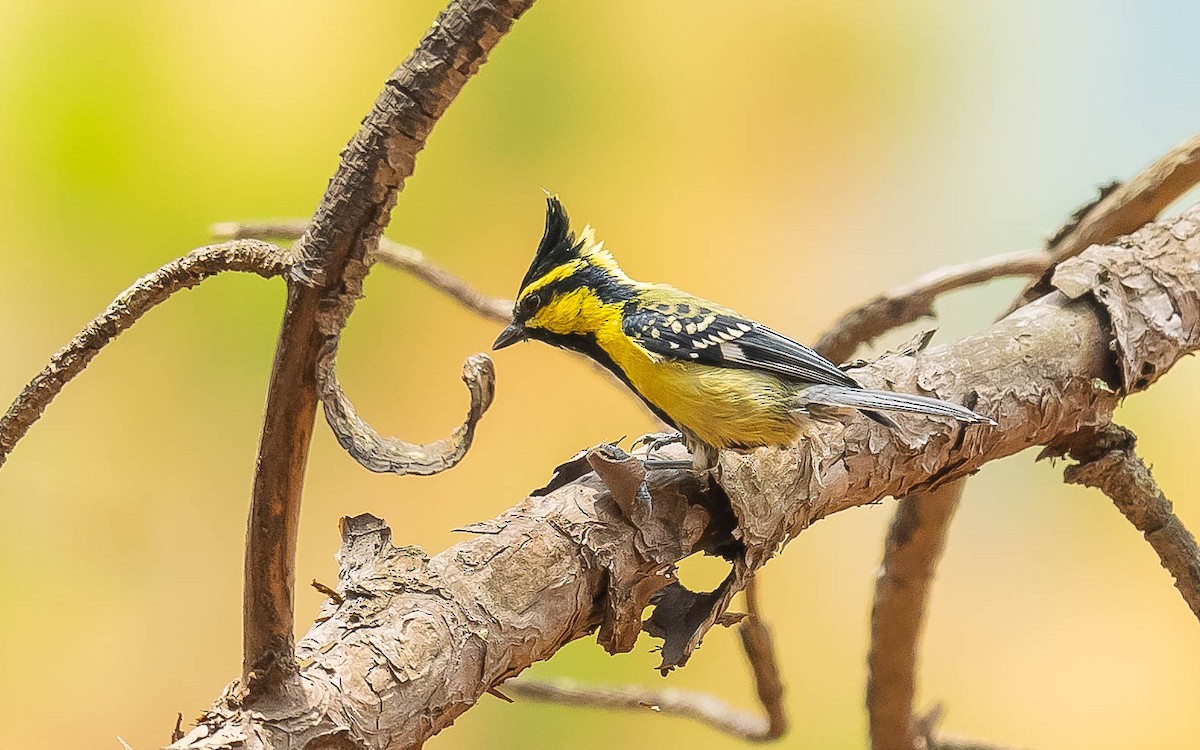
[(1109, 463), (246, 256), (955, 742), (413, 261), (913, 548), (390, 253), (332, 261), (912, 301), (702, 707)]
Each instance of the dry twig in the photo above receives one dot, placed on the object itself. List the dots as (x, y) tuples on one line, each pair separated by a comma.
[(1122, 209), (912, 301), (245, 256), (393, 254), (1108, 462)]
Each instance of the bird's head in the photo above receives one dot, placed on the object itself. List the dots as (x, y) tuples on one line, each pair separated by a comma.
[(572, 289)]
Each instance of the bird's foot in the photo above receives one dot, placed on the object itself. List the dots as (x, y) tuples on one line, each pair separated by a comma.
[(656, 440)]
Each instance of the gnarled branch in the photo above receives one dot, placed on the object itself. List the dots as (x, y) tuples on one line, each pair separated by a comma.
[(393, 455), (326, 280), (1108, 462), (404, 653)]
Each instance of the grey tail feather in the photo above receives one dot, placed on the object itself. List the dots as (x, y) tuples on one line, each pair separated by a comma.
[(869, 401)]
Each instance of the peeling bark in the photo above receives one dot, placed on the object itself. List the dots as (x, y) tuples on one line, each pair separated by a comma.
[(417, 640)]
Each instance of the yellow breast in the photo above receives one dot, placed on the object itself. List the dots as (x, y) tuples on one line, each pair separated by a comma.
[(721, 407)]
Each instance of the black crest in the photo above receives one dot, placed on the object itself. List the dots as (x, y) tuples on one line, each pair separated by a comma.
[(557, 245)]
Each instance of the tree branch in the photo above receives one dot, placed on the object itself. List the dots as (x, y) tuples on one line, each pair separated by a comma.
[(915, 541), (1122, 209), (417, 640), (912, 301), (1108, 462), (393, 455), (391, 253), (897, 616), (246, 256), (326, 281)]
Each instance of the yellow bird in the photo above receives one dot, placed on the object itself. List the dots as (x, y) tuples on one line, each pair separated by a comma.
[(718, 377)]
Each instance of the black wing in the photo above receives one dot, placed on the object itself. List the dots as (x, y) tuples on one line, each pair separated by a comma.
[(697, 333)]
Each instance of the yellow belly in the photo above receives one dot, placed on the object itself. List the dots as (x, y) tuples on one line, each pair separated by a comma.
[(721, 407)]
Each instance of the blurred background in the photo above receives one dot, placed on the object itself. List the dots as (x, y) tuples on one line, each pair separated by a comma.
[(789, 159)]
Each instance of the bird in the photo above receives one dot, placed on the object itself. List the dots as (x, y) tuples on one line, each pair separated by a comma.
[(722, 380)]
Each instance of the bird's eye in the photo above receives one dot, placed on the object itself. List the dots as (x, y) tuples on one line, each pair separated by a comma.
[(532, 301)]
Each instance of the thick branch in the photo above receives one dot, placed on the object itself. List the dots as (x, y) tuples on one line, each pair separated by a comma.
[(1109, 463), (912, 301), (328, 279), (416, 641), (247, 256)]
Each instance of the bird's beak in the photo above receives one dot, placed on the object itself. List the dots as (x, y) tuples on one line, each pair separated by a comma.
[(509, 336)]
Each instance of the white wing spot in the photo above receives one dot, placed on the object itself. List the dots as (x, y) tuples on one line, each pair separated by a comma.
[(675, 326), (690, 328), (732, 352), (654, 332), (673, 344), (744, 328)]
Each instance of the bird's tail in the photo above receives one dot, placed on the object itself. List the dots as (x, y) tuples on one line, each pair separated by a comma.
[(871, 401)]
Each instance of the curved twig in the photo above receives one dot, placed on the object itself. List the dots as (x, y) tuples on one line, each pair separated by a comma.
[(1108, 462), (245, 256), (912, 301), (392, 455), (332, 261)]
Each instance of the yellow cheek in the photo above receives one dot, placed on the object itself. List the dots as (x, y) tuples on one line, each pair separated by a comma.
[(574, 312)]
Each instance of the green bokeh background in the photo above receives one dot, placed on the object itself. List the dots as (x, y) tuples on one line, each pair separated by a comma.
[(787, 158)]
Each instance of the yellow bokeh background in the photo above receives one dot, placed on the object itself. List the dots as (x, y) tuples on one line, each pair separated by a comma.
[(787, 158)]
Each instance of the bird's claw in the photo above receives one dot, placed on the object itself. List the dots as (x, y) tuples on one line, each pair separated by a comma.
[(656, 440)]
